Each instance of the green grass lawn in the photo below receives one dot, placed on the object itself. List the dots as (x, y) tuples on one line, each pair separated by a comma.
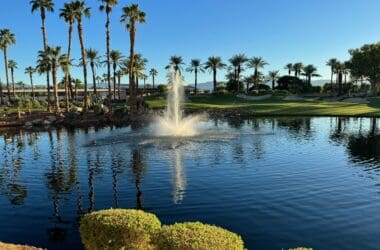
[(276, 106)]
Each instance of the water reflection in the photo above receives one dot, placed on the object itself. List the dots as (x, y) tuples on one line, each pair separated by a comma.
[(179, 177)]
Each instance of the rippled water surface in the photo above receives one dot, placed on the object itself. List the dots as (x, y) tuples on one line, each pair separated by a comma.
[(279, 183)]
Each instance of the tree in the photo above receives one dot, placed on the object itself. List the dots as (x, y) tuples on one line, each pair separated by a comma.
[(297, 68), (338, 70), (44, 67), (107, 6), (332, 63), (289, 67), (93, 57), (81, 11), (30, 71), (12, 65), (68, 15), (6, 38), (213, 64), (237, 62), (310, 71), (256, 63), (54, 54), (65, 64), (44, 6), (153, 73), (115, 57), (274, 75), (131, 16), (176, 62), (196, 67), (119, 74)]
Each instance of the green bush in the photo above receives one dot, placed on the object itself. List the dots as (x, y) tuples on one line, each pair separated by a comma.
[(118, 229), (195, 235), (162, 88)]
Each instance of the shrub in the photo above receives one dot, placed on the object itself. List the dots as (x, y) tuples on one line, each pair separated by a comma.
[(118, 229), (195, 235), (162, 88)]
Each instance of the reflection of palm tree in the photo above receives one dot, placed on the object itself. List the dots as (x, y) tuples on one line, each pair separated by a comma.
[(138, 170), (179, 183)]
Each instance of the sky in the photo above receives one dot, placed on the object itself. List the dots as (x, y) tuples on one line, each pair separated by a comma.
[(280, 31)]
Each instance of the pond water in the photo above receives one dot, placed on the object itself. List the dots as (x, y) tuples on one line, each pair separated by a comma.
[(278, 182)]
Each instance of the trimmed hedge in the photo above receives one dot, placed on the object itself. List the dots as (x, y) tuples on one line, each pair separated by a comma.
[(119, 229), (195, 235)]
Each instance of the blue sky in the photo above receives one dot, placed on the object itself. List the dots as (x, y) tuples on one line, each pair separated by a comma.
[(281, 31)]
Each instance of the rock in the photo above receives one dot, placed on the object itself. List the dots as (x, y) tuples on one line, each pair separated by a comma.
[(37, 122), (51, 118), (46, 123), (76, 109), (105, 109), (28, 124)]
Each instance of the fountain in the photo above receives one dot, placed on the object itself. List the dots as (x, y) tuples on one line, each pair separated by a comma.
[(173, 123)]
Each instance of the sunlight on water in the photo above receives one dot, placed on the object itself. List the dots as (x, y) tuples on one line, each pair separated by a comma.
[(172, 123)]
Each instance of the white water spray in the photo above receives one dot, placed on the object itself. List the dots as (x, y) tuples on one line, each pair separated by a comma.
[(172, 123)]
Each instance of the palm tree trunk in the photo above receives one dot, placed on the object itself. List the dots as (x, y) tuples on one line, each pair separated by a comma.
[(93, 77), (13, 82), (132, 87), (84, 65), (6, 73), (118, 86), (42, 10), (108, 56), (196, 81), (67, 92), (332, 76), (56, 100), (69, 86), (153, 80), (273, 82), (214, 73), (238, 77), (247, 88), (114, 81), (31, 84), (48, 91), (1, 93)]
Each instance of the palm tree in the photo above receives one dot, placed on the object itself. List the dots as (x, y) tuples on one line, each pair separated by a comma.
[(6, 38), (332, 63), (30, 71), (213, 64), (68, 15), (256, 63), (80, 11), (132, 15), (115, 57), (153, 73), (139, 66), (107, 6), (65, 64), (44, 67), (93, 57), (273, 75), (119, 74), (43, 6), (77, 83), (297, 68), (54, 54), (195, 66), (289, 67), (309, 71), (237, 62), (176, 62), (12, 65)]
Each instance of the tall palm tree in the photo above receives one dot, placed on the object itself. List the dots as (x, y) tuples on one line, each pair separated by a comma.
[(139, 63), (310, 71), (213, 64), (93, 57), (68, 15), (256, 63), (54, 54), (44, 6), (289, 67), (273, 75), (115, 57), (12, 65), (107, 6), (80, 11), (196, 67), (131, 16), (153, 73), (237, 62), (332, 63), (44, 67), (6, 38), (30, 71), (65, 64), (176, 62), (120, 73), (297, 68)]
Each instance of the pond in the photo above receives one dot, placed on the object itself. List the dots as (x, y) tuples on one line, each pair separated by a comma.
[(278, 182)]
